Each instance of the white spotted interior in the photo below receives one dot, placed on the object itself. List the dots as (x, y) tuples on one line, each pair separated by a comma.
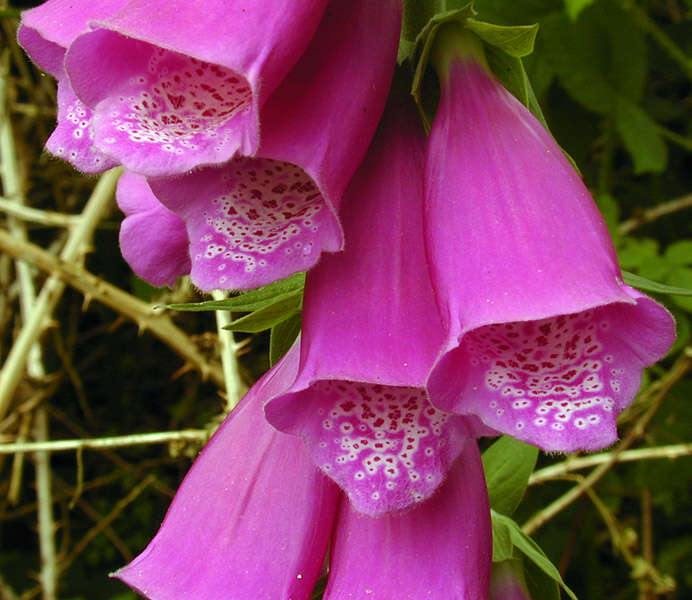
[(554, 374), (73, 138), (266, 224), (386, 446), (180, 105)]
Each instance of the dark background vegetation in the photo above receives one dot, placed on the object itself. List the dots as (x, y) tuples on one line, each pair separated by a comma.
[(614, 79)]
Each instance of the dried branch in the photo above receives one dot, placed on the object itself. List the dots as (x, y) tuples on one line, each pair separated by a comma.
[(145, 315)]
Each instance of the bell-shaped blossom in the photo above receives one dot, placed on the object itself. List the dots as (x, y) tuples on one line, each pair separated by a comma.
[(179, 84), (370, 335), (46, 32), (254, 516), (153, 240), (257, 219), (543, 340)]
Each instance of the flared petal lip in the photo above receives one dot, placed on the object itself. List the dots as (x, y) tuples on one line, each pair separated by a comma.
[(627, 295), (49, 56), (250, 77)]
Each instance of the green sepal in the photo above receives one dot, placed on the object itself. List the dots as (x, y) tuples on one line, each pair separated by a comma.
[(508, 464), (516, 40), (504, 45), (507, 532), (422, 48)]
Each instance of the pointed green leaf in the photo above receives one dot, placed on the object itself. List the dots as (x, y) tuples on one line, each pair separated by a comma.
[(654, 286), (282, 336), (252, 300), (530, 549), (508, 464), (269, 316)]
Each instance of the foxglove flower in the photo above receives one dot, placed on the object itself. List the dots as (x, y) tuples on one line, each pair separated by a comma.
[(253, 518), (258, 219), (45, 33), (153, 240), (179, 84), (543, 340), (370, 335)]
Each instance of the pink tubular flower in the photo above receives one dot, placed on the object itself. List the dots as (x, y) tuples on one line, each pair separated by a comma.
[(253, 518), (543, 340), (370, 335), (153, 240), (179, 84), (258, 219), (45, 33)]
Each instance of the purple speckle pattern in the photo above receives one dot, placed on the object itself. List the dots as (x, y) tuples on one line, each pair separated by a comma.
[(178, 114), (387, 447), (549, 381), (265, 225), (73, 138)]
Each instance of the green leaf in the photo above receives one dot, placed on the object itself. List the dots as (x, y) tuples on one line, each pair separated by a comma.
[(502, 541), (574, 7), (282, 336), (508, 464), (529, 548), (682, 276), (269, 316), (516, 41), (596, 60), (539, 584), (654, 286), (252, 300), (680, 252), (635, 251), (641, 137)]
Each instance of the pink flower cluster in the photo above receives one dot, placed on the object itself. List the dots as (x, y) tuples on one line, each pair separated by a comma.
[(471, 286)]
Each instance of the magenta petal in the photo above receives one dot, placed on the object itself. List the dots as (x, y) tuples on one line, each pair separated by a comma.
[(253, 221), (440, 549), (369, 338), (45, 33), (544, 341), (250, 222), (153, 240), (72, 139), (251, 520), (324, 114), (47, 30), (174, 86)]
